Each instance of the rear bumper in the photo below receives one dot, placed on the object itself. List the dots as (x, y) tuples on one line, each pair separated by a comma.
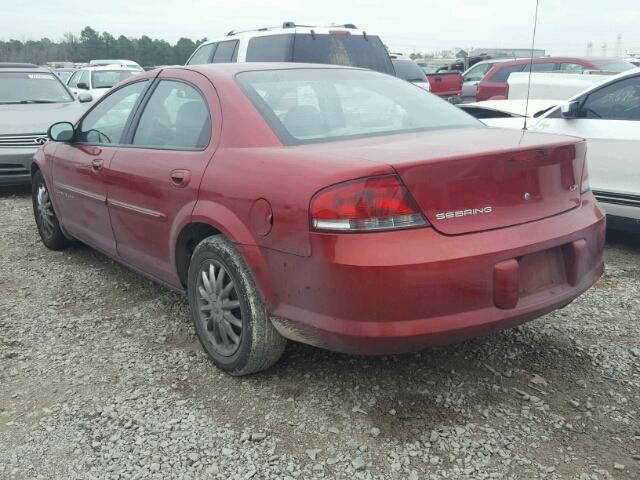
[(15, 164), (407, 290)]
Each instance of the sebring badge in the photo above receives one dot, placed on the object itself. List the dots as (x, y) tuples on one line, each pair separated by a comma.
[(463, 213)]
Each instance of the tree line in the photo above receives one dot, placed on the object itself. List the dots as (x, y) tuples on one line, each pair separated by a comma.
[(93, 45)]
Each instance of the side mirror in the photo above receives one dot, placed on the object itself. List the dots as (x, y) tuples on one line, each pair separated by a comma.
[(570, 110), (84, 98), (82, 86), (61, 132)]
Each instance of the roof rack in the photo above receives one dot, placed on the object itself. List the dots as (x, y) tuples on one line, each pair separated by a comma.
[(288, 25), (17, 65)]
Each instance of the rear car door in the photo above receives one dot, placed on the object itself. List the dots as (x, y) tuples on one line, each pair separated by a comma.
[(78, 167), (497, 87), (153, 183), (609, 119)]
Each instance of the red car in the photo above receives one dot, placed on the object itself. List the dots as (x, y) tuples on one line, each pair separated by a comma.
[(494, 85), (334, 206)]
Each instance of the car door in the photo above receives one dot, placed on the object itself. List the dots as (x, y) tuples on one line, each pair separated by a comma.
[(72, 83), (472, 78), (78, 168), (609, 118), (153, 183)]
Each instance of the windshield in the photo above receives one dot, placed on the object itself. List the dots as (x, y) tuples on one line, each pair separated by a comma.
[(612, 65), (314, 105), (408, 70), (108, 78), (349, 50), (32, 87)]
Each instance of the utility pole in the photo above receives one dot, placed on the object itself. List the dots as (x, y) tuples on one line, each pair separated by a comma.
[(619, 45), (589, 49), (604, 49)]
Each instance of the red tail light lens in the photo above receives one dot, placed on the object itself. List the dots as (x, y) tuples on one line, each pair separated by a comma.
[(377, 203)]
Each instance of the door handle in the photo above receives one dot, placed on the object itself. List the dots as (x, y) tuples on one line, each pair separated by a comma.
[(180, 178), (96, 164)]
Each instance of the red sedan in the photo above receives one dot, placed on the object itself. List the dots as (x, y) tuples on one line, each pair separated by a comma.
[(334, 206)]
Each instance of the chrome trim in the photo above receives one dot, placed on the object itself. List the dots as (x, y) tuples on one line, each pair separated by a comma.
[(139, 210), (625, 199), (82, 193), (32, 140)]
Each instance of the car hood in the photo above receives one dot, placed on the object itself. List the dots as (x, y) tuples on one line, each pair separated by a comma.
[(37, 118)]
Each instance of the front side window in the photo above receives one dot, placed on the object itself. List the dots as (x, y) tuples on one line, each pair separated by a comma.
[(109, 78), (502, 75), (175, 117), (202, 55), (315, 105), (478, 72), (105, 124), (32, 87), (226, 52), (83, 81), (619, 101), (73, 81)]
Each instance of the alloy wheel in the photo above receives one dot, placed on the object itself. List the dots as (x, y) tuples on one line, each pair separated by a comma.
[(219, 309), (45, 211)]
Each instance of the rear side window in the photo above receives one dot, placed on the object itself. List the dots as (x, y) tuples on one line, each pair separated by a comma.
[(176, 117), (226, 52), (270, 48), (571, 67), (202, 54), (409, 70), (541, 67), (349, 50), (503, 74)]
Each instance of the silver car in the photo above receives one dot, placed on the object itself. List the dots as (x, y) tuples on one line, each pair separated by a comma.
[(31, 99)]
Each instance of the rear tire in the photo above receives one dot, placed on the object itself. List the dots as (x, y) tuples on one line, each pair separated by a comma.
[(229, 314), (45, 215)]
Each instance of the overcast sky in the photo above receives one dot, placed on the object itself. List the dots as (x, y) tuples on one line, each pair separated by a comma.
[(565, 26)]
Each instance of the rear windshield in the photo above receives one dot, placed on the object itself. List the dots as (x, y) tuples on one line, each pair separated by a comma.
[(108, 78), (32, 87), (409, 70), (612, 65), (315, 105), (349, 50)]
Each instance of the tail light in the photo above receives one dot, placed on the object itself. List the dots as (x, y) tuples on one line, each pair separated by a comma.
[(584, 182), (369, 204)]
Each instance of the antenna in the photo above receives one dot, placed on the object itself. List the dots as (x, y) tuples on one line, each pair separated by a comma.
[(533, 44)]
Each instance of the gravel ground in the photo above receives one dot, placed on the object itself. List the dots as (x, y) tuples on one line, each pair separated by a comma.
[(101, 376)]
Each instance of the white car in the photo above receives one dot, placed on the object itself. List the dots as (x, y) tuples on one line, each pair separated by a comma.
[(96, 81), (608, 116)]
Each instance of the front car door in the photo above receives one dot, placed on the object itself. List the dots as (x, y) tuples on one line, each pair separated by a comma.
[(609, 118), (153, 182), (78, 168)]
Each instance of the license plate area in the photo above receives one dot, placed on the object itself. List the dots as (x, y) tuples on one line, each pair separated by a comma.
[(541, 271)]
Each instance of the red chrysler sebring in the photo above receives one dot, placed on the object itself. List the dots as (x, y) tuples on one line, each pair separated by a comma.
[(334, 206)]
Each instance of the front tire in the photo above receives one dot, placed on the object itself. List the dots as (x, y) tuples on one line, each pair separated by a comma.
[(46, 218), (229, 314)]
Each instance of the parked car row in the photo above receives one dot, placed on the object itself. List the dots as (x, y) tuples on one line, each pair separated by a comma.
[(488, 80), (608, 116)]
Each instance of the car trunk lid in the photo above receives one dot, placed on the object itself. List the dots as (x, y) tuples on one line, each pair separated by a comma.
[(475, 179)]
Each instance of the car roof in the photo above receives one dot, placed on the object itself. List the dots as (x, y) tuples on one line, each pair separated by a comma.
[(116, 67), (519, 61), (22, 67), (294, 29)]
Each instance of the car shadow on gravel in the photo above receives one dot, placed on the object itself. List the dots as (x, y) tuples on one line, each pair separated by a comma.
[(15, 191)]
